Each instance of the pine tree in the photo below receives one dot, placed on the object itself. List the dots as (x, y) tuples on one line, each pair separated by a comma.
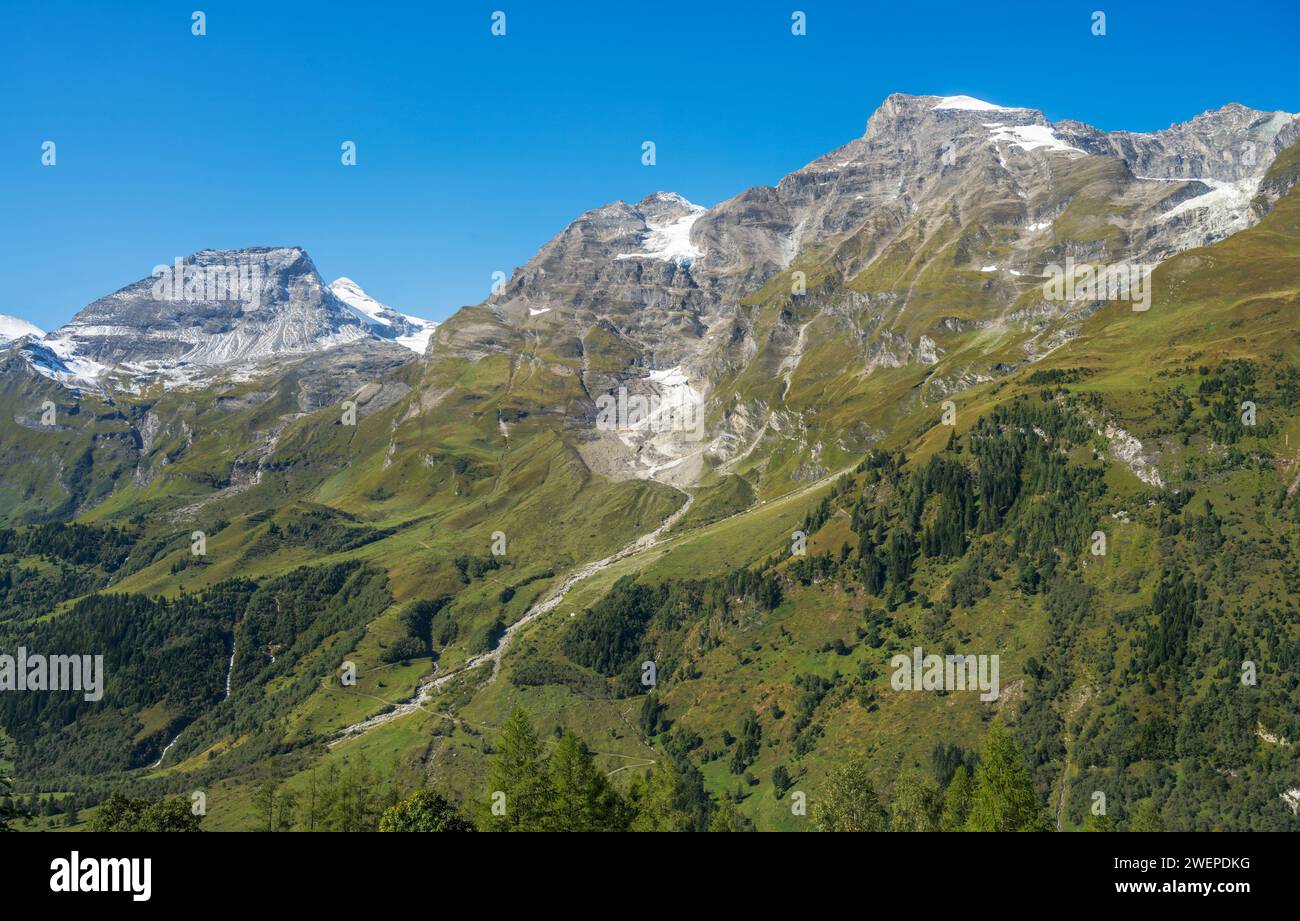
[(348, 799), (72, 806), (286, 808), (873, 573), (1004, 798), (8, 812), (581, 797), (327, 806), (310, 808), (1094, 822), (956, 801), (651, 714), (661, 801), (360, 792), (519, 772), (780, 781)]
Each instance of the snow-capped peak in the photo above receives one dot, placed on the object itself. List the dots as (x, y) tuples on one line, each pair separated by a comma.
[(668, 236), (350, 293), (12, 328), (216, 311), (405, 330), (971, 104)]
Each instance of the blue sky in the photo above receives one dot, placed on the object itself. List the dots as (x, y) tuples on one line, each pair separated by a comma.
[(474, 150)]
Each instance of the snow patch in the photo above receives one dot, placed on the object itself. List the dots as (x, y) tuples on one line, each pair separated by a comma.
[(1228, 204), (970, 104), (1030, 137), (417, 342), (671, 431), (670, 241), (58, 360), (12, 328)]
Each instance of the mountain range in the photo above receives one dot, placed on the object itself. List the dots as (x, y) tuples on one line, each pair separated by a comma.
[(764, 445)]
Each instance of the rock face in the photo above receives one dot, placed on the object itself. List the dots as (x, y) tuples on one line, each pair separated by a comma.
[(632, 263), (1230, 144), (216, 309), (917, 151), (923, 158), (670, 340), (920, 243)]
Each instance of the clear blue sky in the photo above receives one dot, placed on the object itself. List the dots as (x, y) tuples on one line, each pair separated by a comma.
[(474, 150)]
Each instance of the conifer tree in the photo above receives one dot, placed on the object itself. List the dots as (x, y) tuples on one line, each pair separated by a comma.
[(519, 772), (1094, 822), (660, 801), (8, 811), (1004, 798), (956, 801), (581, 797)]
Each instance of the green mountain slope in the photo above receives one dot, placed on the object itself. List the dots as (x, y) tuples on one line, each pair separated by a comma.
[(1117, 670), (403, 549)]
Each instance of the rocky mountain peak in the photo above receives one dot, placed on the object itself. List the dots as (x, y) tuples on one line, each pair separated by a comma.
[(902, 114), (662, 208), (384, 321), (214, 308), (944, 199)]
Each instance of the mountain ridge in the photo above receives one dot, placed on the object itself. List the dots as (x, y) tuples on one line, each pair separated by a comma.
[(908, 443)]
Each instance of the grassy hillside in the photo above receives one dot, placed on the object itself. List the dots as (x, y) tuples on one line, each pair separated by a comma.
[(341, 567)]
